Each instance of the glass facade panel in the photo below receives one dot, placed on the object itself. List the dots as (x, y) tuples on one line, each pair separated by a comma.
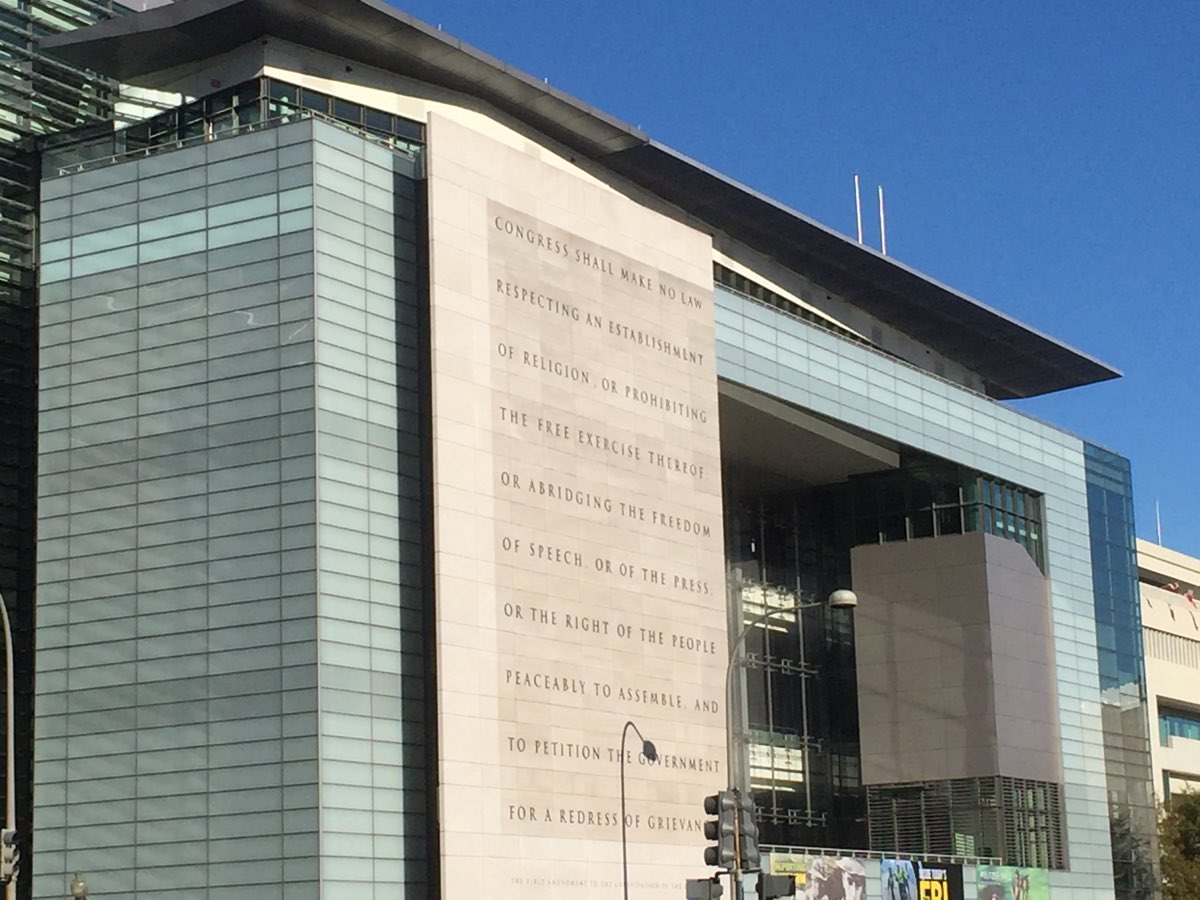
[(1122, 680), (1012, 449), (97, 241), (189, 498), (141, 548), (783, 549)]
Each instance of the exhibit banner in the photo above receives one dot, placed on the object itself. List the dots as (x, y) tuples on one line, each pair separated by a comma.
[(1013, 883), (823, 877), (918, 879)]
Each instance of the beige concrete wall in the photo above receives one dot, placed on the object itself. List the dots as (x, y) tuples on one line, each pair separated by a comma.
[(955, 661), (579, 558)]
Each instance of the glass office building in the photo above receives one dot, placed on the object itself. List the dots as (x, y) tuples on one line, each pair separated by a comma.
[(408, 430)]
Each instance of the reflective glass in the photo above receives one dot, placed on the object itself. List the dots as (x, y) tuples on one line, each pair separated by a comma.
[(104, 240), (168, 226), (239, 210), (178, 245)]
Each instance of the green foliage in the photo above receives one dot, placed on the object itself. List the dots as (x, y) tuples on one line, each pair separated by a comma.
[(1179, 843)]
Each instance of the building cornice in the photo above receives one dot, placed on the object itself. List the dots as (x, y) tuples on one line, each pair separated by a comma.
[(1013, 359)]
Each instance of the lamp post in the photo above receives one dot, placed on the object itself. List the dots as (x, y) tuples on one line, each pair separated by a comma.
[(839, 599), (79, 887), (651, 754), (10, 781)]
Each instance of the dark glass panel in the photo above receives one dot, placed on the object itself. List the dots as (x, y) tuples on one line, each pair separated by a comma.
[(285, 93), (314, 100), (376, 120), (347, 111)]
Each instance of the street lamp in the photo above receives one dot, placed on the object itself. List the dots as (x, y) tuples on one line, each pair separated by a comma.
[(79, 887), (842, 598), (651, 754), (10, 781)]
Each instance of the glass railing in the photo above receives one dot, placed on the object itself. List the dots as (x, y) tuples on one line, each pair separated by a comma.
[(74, 158), (251, 106)]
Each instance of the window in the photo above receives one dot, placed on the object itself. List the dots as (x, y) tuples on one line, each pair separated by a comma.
[(347, 111), (747, 288), (1012, 513), (1177, 723), (315, 101), (926, 499)]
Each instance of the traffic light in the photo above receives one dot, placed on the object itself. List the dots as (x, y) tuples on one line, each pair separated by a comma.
[(704, 889), (724, 806), (10, 855), (772, 887), (748, 833)]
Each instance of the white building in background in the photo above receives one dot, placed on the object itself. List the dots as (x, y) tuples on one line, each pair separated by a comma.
[(1171, 623)]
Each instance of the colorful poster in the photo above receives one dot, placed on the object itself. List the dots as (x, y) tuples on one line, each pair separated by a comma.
[(1013, 883), (917, 879), (823, 877)]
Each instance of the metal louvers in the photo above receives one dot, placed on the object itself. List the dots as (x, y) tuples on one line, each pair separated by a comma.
[(1015, 820)]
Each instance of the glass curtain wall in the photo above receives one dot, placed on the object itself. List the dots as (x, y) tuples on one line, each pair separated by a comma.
[(784, 550), (1122, 673), (790, 547), (38, 95)]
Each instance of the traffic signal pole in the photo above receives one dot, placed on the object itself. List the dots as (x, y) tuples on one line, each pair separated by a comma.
[(735, 833)]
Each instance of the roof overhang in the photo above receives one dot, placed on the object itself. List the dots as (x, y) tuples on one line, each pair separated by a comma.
[(1014, 360)]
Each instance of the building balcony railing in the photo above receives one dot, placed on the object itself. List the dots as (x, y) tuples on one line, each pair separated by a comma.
[(57, 166), (926, 858)]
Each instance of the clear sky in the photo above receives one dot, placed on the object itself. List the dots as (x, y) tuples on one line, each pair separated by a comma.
[(1040, 157)]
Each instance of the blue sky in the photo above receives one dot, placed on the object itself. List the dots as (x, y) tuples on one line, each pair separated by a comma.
[(1039, 157)]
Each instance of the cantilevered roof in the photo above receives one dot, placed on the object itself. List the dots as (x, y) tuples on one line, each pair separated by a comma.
[(1013, 359)]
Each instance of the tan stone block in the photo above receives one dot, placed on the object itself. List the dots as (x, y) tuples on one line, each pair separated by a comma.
[(613, 605)]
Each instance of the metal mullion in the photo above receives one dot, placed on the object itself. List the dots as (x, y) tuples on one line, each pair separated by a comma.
[(106, 9), (59, 121), (12, 242), (80, 90), (31, 93), (82, 20), (12, 161)]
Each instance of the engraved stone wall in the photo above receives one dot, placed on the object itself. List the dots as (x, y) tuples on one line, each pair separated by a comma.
[(579, 567)]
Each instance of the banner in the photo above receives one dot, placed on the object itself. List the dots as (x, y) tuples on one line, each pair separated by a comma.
[(917, 879), (823, 877), (1013, 883)]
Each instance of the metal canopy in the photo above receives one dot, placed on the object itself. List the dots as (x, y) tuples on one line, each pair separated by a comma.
[(1013, 359)]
